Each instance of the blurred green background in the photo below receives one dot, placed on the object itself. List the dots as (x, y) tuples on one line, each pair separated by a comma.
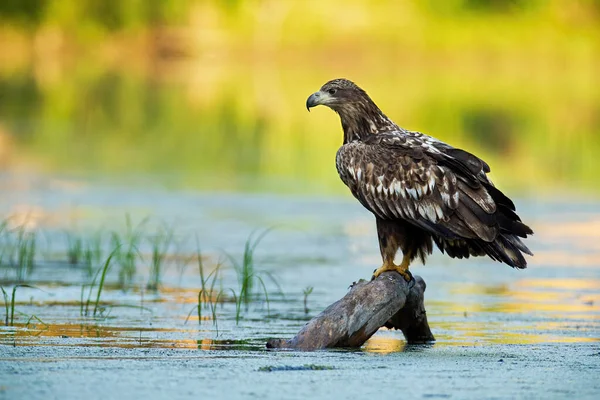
[(210, 94)]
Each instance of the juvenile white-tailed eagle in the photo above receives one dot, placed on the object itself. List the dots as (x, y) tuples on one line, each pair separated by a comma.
[(421, 190)]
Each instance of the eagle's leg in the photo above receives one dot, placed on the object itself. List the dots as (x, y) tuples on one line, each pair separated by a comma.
[(402, 269), (391, 235)]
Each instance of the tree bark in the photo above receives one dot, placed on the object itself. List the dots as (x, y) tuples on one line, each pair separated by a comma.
[(349, 322)]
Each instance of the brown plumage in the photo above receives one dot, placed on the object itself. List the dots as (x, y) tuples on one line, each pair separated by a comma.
[(421, 190)]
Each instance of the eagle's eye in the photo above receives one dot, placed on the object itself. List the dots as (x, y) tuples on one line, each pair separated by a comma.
[(331, 91)]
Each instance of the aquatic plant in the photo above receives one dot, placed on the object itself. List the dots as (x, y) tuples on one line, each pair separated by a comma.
[(206, 296), (84, 251), (307, 291), (182, 261), (249, 277), (88, 260), (7, 249), (246, 271), (160, 245), (3, 240), (27, 248), (102, 271), (6, 306), (10, 308), (92, 254), (206, 290), (128, 246), (18, 250), (94, 245), (74, 248)]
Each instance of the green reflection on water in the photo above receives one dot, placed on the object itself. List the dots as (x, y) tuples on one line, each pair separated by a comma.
[(229, 114)]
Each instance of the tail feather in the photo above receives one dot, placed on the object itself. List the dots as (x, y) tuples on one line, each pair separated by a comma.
[(518, 243), (512, 226), (508, 249), (509, 252), (508, 245)]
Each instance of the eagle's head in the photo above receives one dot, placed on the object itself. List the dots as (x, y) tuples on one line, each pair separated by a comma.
[(338, 94), (358, 113)]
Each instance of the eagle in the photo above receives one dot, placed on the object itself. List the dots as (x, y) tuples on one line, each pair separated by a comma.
[(420, 189)]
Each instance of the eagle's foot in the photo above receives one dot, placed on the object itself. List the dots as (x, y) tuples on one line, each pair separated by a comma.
[(407, 277), (402, 269)]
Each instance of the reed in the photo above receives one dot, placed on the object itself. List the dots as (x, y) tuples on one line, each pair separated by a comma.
[(160, 244), (9, 303), (307, 291), (128, 246)]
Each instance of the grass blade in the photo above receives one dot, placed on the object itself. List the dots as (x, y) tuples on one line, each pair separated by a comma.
[(102, 278)]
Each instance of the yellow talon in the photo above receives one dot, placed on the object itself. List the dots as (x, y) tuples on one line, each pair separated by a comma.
[(402, 269)]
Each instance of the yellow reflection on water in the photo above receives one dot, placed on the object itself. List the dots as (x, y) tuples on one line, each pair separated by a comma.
[(572, 285), (384, 344), (95, 335), (561, 298), (475, 337), (475, 334), (114, 336), (190, 296)]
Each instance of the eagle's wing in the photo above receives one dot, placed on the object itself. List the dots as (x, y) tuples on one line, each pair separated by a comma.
[(443, 190)]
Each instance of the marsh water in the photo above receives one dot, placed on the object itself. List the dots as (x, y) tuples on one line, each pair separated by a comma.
[(122, 166), (493, 325)]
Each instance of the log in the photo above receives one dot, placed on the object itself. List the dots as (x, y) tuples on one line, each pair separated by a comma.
[(349, 322)]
